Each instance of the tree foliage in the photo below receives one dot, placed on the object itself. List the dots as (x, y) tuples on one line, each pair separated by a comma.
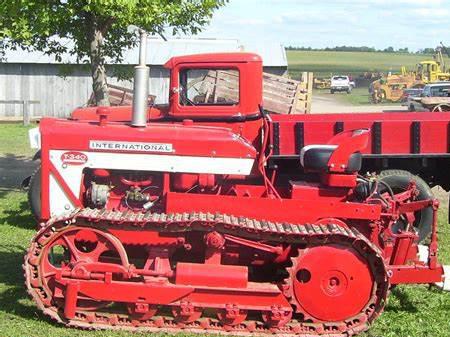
[(93, 30), (34, 24)]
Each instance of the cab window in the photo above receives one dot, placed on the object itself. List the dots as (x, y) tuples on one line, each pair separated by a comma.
[(440, 91), (209, 87)]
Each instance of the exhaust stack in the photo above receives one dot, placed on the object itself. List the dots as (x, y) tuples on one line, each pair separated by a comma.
[(140, 86)]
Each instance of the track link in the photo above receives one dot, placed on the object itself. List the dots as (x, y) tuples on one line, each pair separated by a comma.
[(311, 235)]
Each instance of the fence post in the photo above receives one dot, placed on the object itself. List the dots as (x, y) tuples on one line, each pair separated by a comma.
[(309, 86), (26, 112)]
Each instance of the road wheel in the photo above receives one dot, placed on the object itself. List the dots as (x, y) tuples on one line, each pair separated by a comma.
[(399, 180), (34, 193)]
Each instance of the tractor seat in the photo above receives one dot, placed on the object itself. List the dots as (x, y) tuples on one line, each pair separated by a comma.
[(316, 157)]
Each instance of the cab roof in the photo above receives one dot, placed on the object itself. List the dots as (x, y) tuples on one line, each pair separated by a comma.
[(239, 57), (438, 84), (428, 62)]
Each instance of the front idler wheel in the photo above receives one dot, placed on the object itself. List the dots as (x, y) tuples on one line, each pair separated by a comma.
[(65, 254)]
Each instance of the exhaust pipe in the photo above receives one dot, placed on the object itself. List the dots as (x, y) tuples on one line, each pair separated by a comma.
[(140, 86)]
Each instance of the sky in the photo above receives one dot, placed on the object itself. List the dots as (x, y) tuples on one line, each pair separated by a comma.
[(327, 23)]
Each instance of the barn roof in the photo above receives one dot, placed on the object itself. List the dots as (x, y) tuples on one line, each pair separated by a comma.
[(159, 51)]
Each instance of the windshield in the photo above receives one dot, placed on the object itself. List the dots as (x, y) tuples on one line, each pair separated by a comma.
[(413, 92), (440, 91), (209, 87), (338, 78)]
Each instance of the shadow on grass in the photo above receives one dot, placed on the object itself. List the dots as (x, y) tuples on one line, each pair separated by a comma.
[(15, 301), (405, 304), (11, 257), (13, 169), (14, 298), (11, 302), (19, 216)]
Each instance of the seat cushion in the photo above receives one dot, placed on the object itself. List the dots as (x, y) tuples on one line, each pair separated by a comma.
[(316, 158)]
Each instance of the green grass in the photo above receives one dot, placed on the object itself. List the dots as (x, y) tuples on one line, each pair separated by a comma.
[(14, 139), (412, 310), (325, 63), (358, 96)]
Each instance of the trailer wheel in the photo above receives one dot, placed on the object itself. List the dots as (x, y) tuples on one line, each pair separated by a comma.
[(34, 193), (398, 180)]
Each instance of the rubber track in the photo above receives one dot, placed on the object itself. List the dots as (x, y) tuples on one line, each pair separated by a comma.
[(239, 226)]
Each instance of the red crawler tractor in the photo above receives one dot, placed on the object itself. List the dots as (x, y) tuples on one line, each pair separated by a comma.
[(189, 218)]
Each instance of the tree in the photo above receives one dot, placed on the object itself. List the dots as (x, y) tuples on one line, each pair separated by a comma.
[(429, 51), (99, 29)]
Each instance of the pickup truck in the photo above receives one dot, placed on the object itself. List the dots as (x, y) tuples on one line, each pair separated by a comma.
[(340, 83), (410, 99), (434, 97)]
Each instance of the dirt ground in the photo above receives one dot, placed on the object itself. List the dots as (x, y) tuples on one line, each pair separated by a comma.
[(327, 103)]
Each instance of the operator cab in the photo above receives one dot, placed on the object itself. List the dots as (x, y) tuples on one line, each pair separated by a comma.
[(227, 85)]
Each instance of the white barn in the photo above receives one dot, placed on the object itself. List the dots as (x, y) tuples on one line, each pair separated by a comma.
[(35, 76)]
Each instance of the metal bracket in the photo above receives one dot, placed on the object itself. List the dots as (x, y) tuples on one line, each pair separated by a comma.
[(445, 284), (424, 252)]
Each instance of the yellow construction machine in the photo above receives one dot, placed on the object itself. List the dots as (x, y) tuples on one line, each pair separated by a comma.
[(391, 87), (433, 70), (322, 83)]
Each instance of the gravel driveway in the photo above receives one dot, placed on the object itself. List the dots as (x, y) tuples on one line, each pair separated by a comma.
[(323, 103)]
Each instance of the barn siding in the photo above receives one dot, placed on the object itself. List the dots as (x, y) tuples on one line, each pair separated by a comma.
[(59, 95)]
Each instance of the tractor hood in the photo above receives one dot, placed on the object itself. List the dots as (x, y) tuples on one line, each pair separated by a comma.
[(168, 139)]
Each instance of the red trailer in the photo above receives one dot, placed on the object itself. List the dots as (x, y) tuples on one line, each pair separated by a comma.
[(218, 217), (416, 142)]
